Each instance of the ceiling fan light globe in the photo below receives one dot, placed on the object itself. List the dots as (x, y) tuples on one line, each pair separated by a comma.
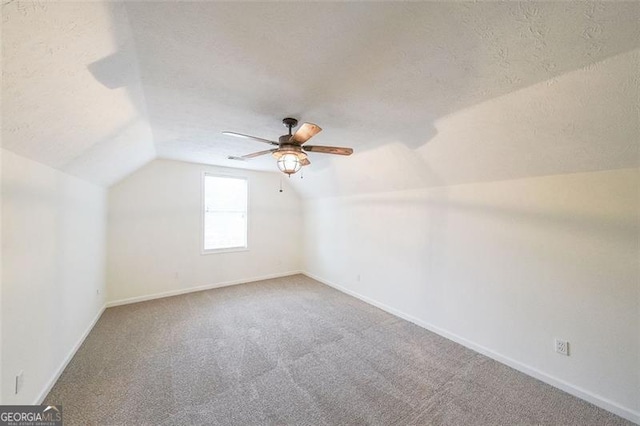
[(289, 163)]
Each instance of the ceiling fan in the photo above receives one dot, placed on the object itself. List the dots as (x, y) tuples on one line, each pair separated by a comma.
[(290, 153)]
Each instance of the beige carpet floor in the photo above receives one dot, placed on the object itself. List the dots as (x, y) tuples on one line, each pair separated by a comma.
[(292, 351)]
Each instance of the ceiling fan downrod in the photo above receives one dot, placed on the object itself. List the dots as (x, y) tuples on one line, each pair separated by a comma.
[(289, 123)]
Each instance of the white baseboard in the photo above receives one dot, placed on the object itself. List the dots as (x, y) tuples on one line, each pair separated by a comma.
[(615, 408), (170, 293), (56, 375)]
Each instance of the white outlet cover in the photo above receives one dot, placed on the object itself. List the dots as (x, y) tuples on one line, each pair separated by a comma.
[(562, 347), (19, 381)]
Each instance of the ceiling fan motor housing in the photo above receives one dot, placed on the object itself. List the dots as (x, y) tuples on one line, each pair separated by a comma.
[(289, 148)]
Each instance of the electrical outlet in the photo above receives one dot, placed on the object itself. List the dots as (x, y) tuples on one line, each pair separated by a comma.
[(562, 347), (19, 381)]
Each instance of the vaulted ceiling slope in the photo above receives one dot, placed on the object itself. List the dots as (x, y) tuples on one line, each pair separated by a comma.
[(426, 93), (54, 109)]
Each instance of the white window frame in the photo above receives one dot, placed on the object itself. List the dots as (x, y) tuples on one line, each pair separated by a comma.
[(204, 251)]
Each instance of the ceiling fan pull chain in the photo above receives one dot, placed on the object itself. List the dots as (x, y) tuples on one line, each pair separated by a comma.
[(280, 183)]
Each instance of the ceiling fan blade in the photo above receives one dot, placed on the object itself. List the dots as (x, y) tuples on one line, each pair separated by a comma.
[(305, 132), (240, 135), (305, 162), (252, 155), (259, 153), (329, 149)]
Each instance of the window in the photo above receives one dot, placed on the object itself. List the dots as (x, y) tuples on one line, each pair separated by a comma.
[(225, 213)]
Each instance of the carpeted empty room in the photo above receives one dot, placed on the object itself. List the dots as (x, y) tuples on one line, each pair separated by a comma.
[(292, 351), (319, 212)]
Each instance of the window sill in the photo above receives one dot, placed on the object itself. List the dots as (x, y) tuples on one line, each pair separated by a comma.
[(224, 250)]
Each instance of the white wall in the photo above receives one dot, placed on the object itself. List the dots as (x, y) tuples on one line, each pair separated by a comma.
[(53, 262), (1, 316), (504, 267), (155, 226)]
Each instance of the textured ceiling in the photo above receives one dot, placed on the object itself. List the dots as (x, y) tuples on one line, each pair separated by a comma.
[(53, 109), (426, 93)]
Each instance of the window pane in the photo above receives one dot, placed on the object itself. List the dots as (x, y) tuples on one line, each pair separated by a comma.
[(225, 212)]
